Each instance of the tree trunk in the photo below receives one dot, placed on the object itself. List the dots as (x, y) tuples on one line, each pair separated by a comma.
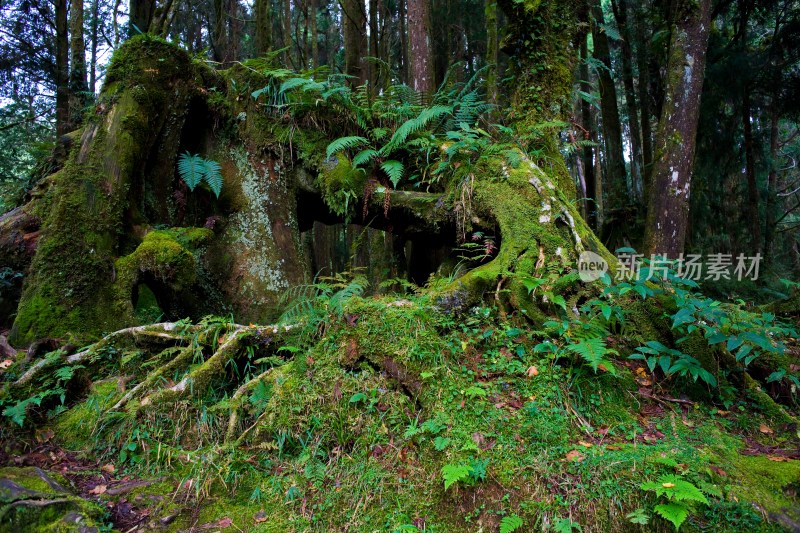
[(750, 172), (492, 51), (643, 66), (140, 16), (314, 34), (593, 201), (403, 59), (419, 38), (668, 210), (77, 69), (94, 45), (621, 14), (616, 189), (62, 68), (263, 38), (772, 185), (355, 40)]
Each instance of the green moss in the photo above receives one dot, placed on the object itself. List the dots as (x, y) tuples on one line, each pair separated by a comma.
[(76, 427), (69, 289), (770, 484), (33, 500)]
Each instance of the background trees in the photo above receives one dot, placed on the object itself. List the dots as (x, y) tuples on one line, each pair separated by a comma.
[(619, 144)]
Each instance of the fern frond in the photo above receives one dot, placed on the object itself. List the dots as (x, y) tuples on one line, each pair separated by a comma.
[(190, 168), (394, 169), (212, 175), (364, 156), (345, 143)]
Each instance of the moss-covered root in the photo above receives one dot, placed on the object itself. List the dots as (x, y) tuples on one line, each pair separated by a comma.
[(184, 358), (765, 403), (164, 332), (198, 380), (236, 404)]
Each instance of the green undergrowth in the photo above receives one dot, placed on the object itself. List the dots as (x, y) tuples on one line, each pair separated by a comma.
[(394, 414)]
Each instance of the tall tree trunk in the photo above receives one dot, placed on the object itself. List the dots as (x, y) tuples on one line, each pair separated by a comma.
[(372, 65), (77, 67), (492, 49), (772, 185), (140, 16), (643, 66), (218, 37), (620, 8), (668, 213), (616, 191), (403, 59), (263, 38), (62, 68), (287, 30), (593, 201), (314, 34), (355, 39), (94, 45), (750, 171), (419, 36)]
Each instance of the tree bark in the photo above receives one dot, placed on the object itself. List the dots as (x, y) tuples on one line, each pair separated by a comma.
[(615, 174), (62, 68), (94, 46), (77, 72), (355, 40), (643, 66), (140, 16), (750, 171), (668, 212), (263, 38), (593, 201), (419, 37), (492, 51), (620, 8)]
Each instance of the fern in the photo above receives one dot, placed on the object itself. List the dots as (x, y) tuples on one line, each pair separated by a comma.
[(675, 512), (353, 289), (212, 175), (454, 473), (194, 169), (510, 523), (394, 169), (345, 143), (364, 156), (593, 351), (191, 168)]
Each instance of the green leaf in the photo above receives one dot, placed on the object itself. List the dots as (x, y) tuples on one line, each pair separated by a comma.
[(212, 175), (394, 169), (510, 523), (344, 143), (190, 168), (364, 156), (674, 512), (454, 474), (358, 397), (592, 350)]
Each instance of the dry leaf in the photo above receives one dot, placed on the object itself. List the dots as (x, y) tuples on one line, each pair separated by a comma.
[(259, 517), (668, 485), (602, 368), (765, 429), (109, 468), (575, 456), (5, 364), (585, 444), (533, 372), (99, 489), (777, 458), (44, 435)]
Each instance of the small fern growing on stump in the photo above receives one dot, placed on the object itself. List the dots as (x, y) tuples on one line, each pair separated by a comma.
[(194, 169)]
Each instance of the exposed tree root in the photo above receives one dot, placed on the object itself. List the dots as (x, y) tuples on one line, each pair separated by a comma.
[(236, 403)]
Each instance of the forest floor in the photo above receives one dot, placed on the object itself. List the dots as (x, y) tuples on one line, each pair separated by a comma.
[(397, 416)]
